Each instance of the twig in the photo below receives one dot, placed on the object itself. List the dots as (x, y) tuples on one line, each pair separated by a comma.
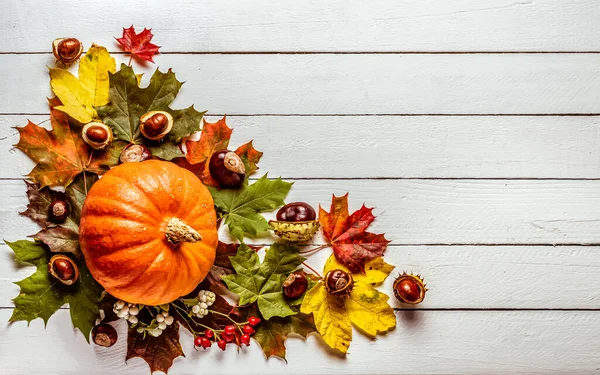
[(312, 269)]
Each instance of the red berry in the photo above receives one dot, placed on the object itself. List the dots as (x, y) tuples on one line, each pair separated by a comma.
[(209, 334), (229, 330), (198, 341), (248, 330), (245, 339), (226, 337), (253, 321), (205, 343), (222, 344)]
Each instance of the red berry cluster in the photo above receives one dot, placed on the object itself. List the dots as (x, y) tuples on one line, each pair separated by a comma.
[(228, 334)]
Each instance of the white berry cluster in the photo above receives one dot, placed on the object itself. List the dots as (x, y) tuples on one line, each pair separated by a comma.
[(205, 300), (164, 320), (127, 311)]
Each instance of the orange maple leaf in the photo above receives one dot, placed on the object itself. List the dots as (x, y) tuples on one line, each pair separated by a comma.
[(138, 44), (352, 245), (60, 153), (215, 137)]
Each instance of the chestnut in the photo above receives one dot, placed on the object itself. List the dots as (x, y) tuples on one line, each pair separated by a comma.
[(295, 285), (409, 288), (135, 153), (296, 211), (155, 125), (64, 269), (58, 211), (97, 135), (338, 282), (104, 335), (227, 168), (67, 50)]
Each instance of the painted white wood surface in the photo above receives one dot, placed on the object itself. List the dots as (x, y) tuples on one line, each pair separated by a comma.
[(450, 179), (424, 342), (401, 146), (289, 25), (351, 84)]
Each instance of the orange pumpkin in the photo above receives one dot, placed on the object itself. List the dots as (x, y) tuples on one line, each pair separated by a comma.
[(148, 232)]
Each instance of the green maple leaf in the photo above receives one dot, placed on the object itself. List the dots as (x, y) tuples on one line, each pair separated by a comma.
[(240, 208), (41, 295), (129, 102), (262, 282)]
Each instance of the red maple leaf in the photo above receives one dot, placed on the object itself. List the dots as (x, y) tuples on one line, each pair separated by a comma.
[(215, 137), (352, 245), (138, 44)]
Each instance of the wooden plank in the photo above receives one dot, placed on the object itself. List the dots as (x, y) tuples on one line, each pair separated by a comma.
[(397, 147), (430, 342), (459, 277), (432, 211), (351, 84), (379, 25)]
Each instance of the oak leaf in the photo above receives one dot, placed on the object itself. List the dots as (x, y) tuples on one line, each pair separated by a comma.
[(263, 282), (60, 153), (365, 307), (138, 44), (352, 245), (80, 96), (240, 208), (41, 295), (129, 102), (215, 137)]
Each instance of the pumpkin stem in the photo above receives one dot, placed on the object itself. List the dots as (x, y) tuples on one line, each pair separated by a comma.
[(178, 231)]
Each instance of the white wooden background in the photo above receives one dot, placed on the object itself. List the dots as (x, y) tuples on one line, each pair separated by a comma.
[(473, 126)]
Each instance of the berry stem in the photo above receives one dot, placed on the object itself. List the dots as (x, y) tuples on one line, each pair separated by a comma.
[(312, 269), (225, 315), (185, 318), (312, 251)]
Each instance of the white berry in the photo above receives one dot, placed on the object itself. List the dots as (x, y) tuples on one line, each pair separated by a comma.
[(133, 319), (196, 309), (156, 332), (162, 325), (120, 304), (169, 320), (160, 318), (134, 310)]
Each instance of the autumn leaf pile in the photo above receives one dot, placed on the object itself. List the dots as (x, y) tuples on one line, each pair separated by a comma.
[(101, 92)]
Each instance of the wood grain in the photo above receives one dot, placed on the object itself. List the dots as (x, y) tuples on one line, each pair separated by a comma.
[(431, 211), (459, 277), (431, 342), (339, 25), (400, 147), (351, 84)]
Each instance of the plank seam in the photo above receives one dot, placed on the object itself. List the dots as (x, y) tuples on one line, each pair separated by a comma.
[(591, 114), (489, 52)]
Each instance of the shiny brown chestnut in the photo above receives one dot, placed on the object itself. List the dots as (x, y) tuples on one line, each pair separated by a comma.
[(295, 285), (64, 269), (67, 50), (58, 211), (104, 335), (155, 125), (409, 288), (339, 282), (296, 211), (227, 168), (135, 153)]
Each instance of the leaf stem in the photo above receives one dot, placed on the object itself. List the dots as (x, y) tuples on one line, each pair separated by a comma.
[(312, 269), (314, 250)]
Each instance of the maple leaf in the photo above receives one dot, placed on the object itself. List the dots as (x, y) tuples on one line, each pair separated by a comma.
[(138, 44), (41, 295), (80, 96), (271, 334), (159, 352), (215, 137), (239, 208), (129, 102), (60, 153), (352, 245), (365, 307), (263, 282)]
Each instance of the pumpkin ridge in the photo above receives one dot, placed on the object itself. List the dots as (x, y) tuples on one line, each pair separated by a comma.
[(129, 205), (149, 198)]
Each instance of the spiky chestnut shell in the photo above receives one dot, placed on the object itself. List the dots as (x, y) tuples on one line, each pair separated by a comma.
[(296, 222), (409, 288), (64, 269), (67, 50)]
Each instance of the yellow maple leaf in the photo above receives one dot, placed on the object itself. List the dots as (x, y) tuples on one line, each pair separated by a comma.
[(365, 307), (80, 96)]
